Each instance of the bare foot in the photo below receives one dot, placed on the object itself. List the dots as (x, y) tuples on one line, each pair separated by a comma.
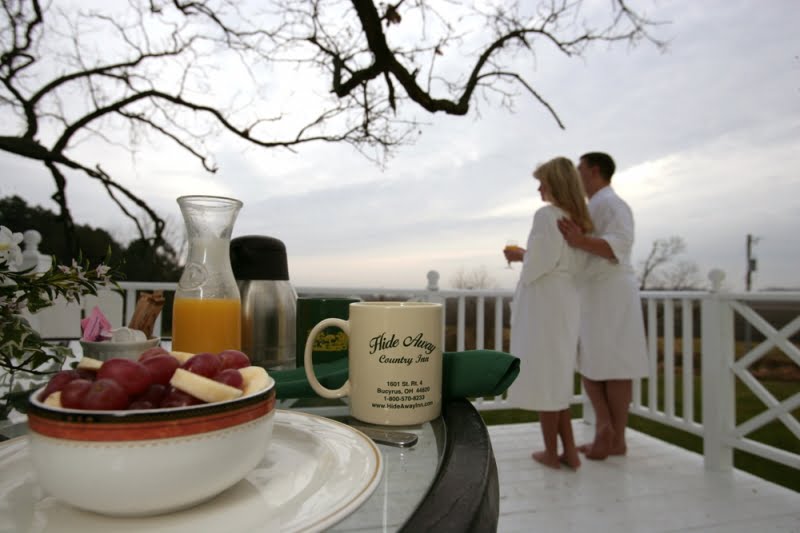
[(602, 445), (571, 460), (546, 459), (618, 449)]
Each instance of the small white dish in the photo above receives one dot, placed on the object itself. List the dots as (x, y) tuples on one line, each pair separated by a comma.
[(317, 471), (107, 350)]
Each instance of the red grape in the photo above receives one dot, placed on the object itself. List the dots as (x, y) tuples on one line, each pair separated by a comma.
[(161, 367), (233, 359), (178, 398), (231, 377), (74, 392), (155, 351), (205, 364), (58, 381), (153, 395), (104, 395), (131, 375), (86, 374)]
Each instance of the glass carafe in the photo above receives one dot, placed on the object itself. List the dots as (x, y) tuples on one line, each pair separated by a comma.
[(206, 315)]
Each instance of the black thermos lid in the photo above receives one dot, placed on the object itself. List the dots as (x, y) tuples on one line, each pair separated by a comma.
[(259, 257)]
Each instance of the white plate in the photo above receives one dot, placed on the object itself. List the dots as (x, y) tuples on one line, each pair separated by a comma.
[(316, 472)]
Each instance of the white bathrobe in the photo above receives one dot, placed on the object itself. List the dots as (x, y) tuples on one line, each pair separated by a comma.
[(612, 340), (545, 317)]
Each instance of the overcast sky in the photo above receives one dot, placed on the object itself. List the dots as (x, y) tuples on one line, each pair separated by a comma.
[(706, 137)]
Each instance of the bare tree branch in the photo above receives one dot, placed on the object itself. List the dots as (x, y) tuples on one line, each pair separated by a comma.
[(68, 74)]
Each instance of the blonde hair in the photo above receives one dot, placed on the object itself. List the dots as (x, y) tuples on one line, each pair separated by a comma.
[(566, 189)]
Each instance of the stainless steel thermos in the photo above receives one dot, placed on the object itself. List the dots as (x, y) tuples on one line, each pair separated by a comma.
[(269, 301)]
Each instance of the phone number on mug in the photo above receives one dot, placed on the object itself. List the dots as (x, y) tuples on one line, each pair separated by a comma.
[(404, 398)]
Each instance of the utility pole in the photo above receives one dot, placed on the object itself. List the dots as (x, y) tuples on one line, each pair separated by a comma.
[(752, 263)]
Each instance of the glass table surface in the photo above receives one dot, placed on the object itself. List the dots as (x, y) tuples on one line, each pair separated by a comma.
[(448, 477), (408, 473), (406, 477)]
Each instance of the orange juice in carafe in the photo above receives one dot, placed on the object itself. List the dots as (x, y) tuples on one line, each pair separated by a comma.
[(206, 325), (206, 314)]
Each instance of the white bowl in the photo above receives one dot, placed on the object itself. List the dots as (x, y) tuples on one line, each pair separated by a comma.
[(136, 463), (128, 350)]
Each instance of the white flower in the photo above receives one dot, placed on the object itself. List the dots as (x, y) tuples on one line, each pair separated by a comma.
[(9, 247), (78, 270)]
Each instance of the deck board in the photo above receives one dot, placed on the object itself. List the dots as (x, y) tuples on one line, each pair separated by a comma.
[(657, 487)]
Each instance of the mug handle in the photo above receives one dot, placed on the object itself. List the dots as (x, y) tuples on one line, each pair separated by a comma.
[(344, 390)]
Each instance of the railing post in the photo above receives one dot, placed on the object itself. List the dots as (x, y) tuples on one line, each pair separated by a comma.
[(719, 400), (480, 322), (434, 296)]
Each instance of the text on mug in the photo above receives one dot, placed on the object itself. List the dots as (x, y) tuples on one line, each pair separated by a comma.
[(382, 342)]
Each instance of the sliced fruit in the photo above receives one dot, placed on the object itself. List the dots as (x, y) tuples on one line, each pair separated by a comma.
[(88, 363), (202, 387), (182, 357), (53, 399), (254, 379)]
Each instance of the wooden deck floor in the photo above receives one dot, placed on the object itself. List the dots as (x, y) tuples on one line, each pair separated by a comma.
[(657, 487)]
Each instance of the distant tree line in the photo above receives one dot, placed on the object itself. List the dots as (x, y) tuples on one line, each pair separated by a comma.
[(665, 267), (141, 261)]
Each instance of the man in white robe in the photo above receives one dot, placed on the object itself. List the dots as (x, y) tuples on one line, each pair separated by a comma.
[(612, 342)]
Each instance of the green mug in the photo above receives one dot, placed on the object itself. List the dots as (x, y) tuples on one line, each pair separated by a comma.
[(331, 343)]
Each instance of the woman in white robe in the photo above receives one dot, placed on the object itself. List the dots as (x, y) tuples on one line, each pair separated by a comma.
[(546, 314)]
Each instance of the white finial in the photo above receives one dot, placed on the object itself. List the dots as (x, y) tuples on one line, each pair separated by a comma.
[(31, 240), (31, 257), (433, 280), (717, 276)]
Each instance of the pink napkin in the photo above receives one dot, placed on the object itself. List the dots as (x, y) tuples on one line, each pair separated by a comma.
[(96, 326)]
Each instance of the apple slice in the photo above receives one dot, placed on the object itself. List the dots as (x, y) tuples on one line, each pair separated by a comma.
[(182, 357), (254, 379), (201, 387), (53, 399), (88, 363)]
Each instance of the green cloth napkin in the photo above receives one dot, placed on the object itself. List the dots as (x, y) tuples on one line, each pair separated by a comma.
[(468, 374)]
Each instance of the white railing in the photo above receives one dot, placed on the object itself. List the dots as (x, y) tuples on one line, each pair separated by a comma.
[(714, 312), (720, 369)]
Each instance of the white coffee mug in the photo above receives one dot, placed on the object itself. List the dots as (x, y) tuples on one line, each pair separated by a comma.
[(394, 362)]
